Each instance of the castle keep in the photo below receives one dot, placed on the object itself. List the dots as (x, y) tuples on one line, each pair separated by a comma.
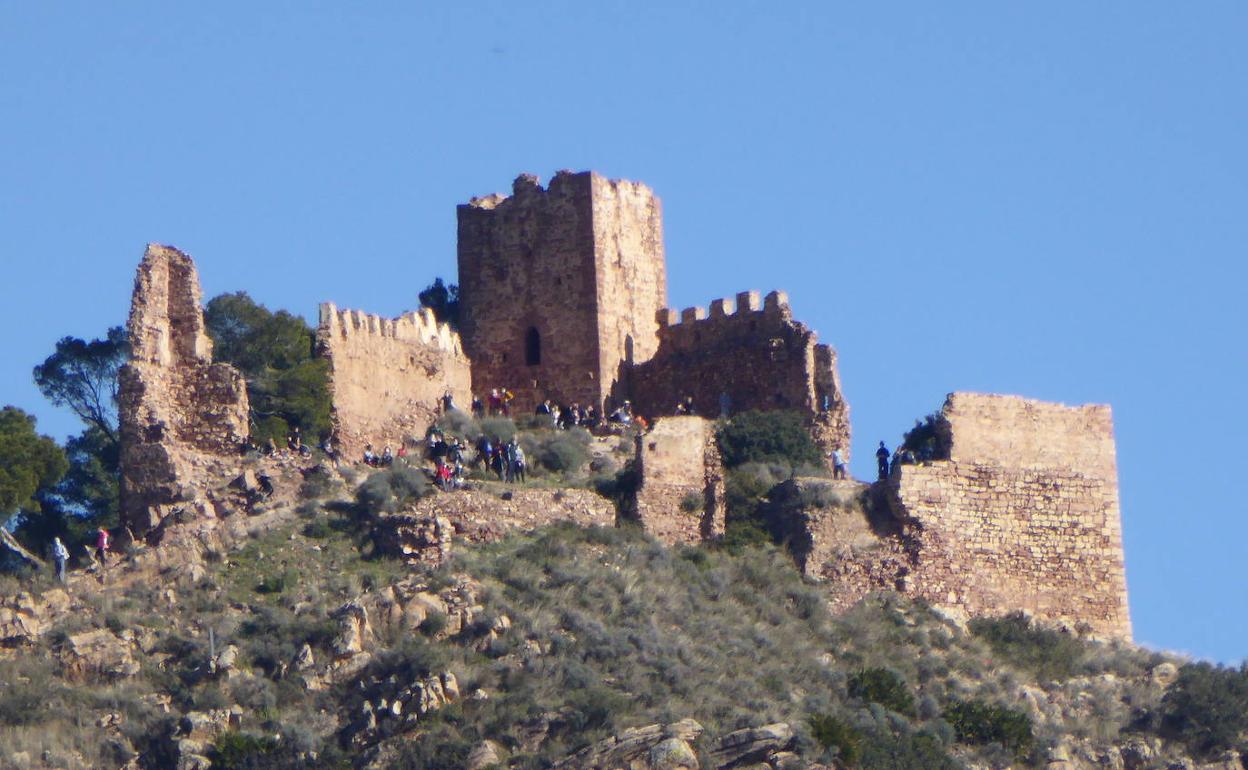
[(563, 296)]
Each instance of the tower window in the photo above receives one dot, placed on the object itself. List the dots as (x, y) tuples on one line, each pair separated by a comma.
[(532, 347)]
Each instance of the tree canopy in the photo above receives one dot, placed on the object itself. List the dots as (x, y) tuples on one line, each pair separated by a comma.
[(443, 300), (29, 462), (287, 386), (82, 375)]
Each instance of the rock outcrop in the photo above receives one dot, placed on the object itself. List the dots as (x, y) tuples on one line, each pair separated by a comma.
[(183, 418)]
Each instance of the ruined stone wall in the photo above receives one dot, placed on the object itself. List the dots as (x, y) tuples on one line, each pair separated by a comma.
[(753, 351), (424, 533), (387, 375), (179, 412), (677, 461), (578, 266), (1023, 517), (631, 277)]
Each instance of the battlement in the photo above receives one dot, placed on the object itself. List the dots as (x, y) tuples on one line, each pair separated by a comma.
[(746, 305), (415, 326)]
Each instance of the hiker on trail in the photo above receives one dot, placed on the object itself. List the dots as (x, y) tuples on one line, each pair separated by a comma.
[(881, 459), (101, 546), (370, 459), (591, 417), (478, 408), (448, 402), (517, 464), (495, 402), (543, 408), (838, 464), (60, 555), (387, 457), (294, 441), (507, 396)]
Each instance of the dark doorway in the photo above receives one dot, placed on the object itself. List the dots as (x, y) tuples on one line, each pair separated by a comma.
[(532, 347)]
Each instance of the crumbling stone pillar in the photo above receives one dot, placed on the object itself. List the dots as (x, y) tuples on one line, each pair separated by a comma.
[(179, 411), (680, 491)]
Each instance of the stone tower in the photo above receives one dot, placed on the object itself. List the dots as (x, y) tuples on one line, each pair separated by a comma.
[(560, 287), (182, 416)]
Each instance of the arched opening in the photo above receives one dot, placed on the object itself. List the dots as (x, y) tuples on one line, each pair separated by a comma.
[(628, 349), (532, 347)]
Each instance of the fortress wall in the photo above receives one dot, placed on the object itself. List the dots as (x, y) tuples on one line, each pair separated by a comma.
[(752, 350), (178, 410), (387, 375), (1024, 433), (678, 459), (1043, 540), (631, 276), (989, 532)]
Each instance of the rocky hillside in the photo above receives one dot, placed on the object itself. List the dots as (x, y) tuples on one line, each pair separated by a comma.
[(289, 640)]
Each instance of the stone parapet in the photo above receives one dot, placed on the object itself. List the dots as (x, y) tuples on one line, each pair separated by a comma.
[(751, 351), (388, 375)]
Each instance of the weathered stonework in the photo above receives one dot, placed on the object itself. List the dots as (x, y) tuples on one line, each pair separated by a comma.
[(559, 286), (751, 351), (424, 534), (680, 492), (179, 412), (1022, 514), (387, 375)]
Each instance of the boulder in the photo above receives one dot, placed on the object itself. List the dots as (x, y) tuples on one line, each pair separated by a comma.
[(1164, 674), (354, 630), (98, 653), (485, 754), (672, 754), (751, 745)]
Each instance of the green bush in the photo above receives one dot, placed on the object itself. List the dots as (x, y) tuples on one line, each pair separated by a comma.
[(1048, 653), (459, 424), (386, 491), (1207, 708), (501, 428), (885, 687), (831, 733), (908, 751), (692, 502), (240, 751), (562, 452), (777, 436), (744, 489), (929, 438), (978, 722)]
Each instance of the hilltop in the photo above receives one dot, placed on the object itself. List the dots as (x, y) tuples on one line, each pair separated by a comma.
[(298, 635)]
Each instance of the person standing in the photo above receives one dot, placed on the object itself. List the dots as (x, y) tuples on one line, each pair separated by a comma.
[(838, 464), (60, 555), (101, 546), (881, 459)]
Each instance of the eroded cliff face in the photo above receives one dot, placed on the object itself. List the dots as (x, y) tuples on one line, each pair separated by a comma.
[(183, 418)]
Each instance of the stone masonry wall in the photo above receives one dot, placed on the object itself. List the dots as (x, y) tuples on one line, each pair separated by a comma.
[(557, 284), (1027, 508), (387, 375), (678, 459), (179, 412), (756, 353), (1025, 517)]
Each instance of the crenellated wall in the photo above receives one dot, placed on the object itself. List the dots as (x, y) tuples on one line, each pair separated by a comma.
[(179, 412), (387, 375), (752, 350)]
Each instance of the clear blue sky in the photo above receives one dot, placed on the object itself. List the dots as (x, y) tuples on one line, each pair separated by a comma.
[(1048, 199)]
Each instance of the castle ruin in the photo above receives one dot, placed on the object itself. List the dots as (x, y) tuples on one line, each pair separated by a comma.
[(563, 296), (180, 413)]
